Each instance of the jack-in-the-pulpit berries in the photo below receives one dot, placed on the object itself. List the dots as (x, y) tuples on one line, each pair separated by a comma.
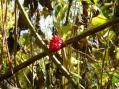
[(55, 43)]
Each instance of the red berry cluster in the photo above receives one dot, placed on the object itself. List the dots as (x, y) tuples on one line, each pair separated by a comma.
[(55, 43)]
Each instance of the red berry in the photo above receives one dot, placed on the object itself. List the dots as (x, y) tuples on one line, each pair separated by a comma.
[(55, 43)]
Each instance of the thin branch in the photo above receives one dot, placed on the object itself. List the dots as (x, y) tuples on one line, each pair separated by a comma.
[(41, 55), (2, 32), (69, 6), (91, 31), (102, 69), (22, 65), (41, 43), (39, 40)]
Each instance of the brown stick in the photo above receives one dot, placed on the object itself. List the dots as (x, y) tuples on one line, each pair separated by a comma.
[(69, 6), (41, 43), (67, 42), (91, 31), (22, 65)]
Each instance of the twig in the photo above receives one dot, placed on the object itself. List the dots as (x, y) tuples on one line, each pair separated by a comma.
[(69, 6), (2, 32), (102, 69), (22, 65), (42, 44), (91, 31), (41, 55)]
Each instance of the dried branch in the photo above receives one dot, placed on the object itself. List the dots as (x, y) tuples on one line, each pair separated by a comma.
[(41, 55), (41, 43), (21, 66), (91, 31), (69, 6)]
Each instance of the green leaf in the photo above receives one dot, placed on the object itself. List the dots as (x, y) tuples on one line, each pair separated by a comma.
[(115, 79), (95, 1), (25, 39), (111, 35), (66, 30), (61, 13), (99, 20)]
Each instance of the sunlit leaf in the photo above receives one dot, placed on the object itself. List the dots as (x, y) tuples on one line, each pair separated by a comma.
[(115, 78), (99, 20), (24, 39), (117, 53), (111, 35), (66, 31), (95, 1)]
